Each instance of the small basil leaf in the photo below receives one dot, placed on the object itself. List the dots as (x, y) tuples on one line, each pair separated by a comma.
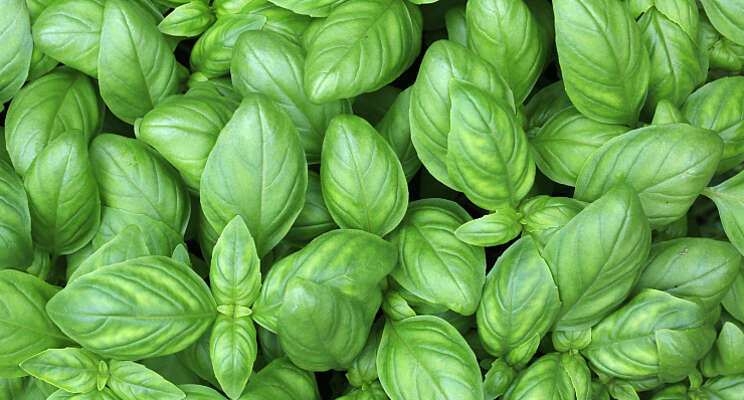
[(491, 229), (233, 349), (190, 19), (235, 274), (131, 380), (282, 378), (72, 369), (396, 129), (314, 219), (213, 51)]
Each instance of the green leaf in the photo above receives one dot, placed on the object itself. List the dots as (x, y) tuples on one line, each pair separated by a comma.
[(64, 100), (725, 357), (198, 392), (668, 165), (190, 19), (543, 105), (235, 274), (257, 170), (282, 379), (314, 219), (213, 51), (396, 129), (729, 199), (15, 34), (591, 284), (696, 269), (424, 357), (283, 21), (63, 195), (719, 106), (146, 307), (270, 64), (363, 183), (667, 113), (159, 238), (725, 387), (72, 369), (360, 47), (321, 328), (488, 156), (136, 68), (566, 140), (196, 358), (564, 376), (520, 300), (130, 380), (430, 100), (228, 7), (491, 229), (505, 33), (633, 342), (15, 220), (373, 106), (105, 394), (183, 129), (233, 349), (727, 16), (25, 328), (181, 254), (70, 31), (676, 68), (433, 263), (135, 179), (363, 369), (41, 64), (604, 64), (456, 24), (350, 260)]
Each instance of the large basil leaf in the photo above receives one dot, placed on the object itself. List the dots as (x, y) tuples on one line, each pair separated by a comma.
[(719, 106), (183, 130), (136, 68), (134, 179), (430, 100), (424, 357), (282, 379), (15, 34), (553, 376), (656, 337), (676, 67), (25, 328), (349, 260), (70, 31), (566, 141), (213, 51), (270, 64), (235, 274), (668, 165), (257, 170), (520, 300), (321, 328), (591, 284), (363, 182), (360, 47), (314, 219), (696, 269), (16, 248), (505, 33), (728, 18), (64, 100), (396, 129), (488, 156), (433, 263), (145, 307), (72, 369), (604, 63), (313, 8), (63, 195), (129, 380), (233, 349)]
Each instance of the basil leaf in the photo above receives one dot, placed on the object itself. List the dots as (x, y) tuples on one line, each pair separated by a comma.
[(131, 380), (563, 375), (15, 220), (72, 369), (25, 328), (213, 51), (136, 69), (432, 263), (363, 183), (233, 349), (257, 170), (190, 19), (314, 219), (198, 392), (15, 33), (154, 305), (282, 379), (360, 47), (727, 16), (600, 46), (235, 274), (424, 357)]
